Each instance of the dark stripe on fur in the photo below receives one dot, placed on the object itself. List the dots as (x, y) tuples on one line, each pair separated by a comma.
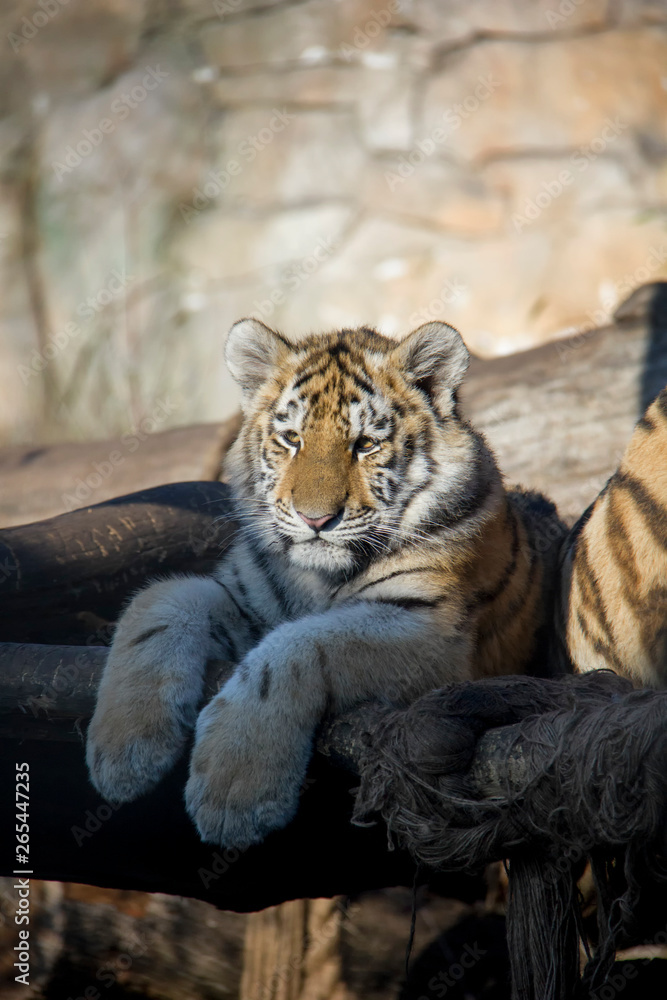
[(411, 602), (263, 562), (148, 634), (654, 514), (390, 576), (589, 586), (360, 382), (220, 634), (466, 506), (620, 548), (488, 596), (599, 646), (246, 598), (251, 623), (499, 623), (306, 376), (265, 682), (579, 525)]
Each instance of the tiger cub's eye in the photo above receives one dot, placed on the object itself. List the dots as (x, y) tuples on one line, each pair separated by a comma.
[(365, 444), (291, 437)]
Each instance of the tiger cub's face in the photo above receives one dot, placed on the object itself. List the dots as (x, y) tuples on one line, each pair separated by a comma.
[(351, 444)]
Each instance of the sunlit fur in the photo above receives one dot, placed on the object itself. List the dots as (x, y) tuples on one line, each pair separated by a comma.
[(613, 608), (428, 471), (379, 556)]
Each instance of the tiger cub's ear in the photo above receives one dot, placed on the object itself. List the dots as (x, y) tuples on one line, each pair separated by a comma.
[(435, 359), (252, 352)]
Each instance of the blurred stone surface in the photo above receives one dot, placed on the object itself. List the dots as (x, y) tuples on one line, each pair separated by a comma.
[(459, 20), (168, 168), (611, 90)]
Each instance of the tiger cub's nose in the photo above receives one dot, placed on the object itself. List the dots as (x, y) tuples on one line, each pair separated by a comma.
[(317, 522)]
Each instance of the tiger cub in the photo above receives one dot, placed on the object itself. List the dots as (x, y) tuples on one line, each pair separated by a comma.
[(379, 557), (613, 592)]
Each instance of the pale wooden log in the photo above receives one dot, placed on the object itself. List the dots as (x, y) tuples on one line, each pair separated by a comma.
[(273, 952), (44, 481), (292, 952), (322, 973), (558, 417)]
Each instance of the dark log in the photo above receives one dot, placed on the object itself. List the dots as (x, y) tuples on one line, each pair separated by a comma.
[(48, 692), (151, 844), (576, 773), (65, 579)]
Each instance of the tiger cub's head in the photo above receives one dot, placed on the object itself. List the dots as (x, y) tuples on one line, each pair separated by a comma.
[(352, 444)]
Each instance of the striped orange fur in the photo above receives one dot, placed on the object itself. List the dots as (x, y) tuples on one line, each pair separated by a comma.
[(456, 544), (613, 601)]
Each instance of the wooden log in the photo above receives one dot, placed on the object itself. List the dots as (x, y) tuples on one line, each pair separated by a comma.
[(66, 578), (44, 481), (151, 844), (558, 417), (48, 692), (292, 952), (496, 766)]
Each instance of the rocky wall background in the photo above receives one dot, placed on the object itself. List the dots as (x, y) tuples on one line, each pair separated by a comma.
[(167, 166)]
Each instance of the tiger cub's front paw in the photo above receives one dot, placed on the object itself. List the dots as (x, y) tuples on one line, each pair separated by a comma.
[(129, 748), (151, 687), (245, 780)]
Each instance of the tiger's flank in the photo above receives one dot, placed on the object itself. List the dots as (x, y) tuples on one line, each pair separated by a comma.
[(613, 600)]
